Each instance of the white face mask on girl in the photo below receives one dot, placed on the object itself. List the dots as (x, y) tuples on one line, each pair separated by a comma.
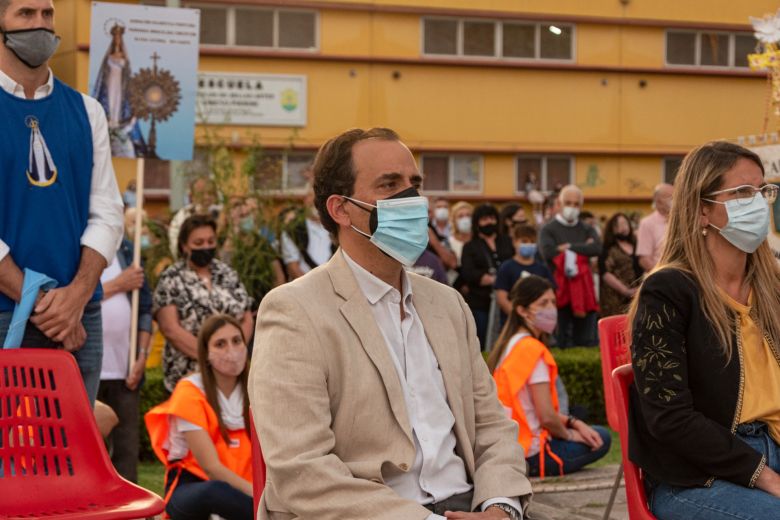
[(546, 320), (229, 360)]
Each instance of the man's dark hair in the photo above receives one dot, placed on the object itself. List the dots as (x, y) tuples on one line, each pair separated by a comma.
[(191, 224), (334, 171)]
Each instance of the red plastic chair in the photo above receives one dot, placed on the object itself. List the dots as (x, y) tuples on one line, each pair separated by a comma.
[(258, 466), (53, 463), (614, 353), (636, 500)]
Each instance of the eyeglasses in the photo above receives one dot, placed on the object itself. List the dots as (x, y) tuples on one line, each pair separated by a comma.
[(744, 194)]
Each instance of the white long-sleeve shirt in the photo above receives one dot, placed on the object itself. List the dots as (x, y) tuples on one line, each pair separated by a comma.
[(437, 472), (105, 223)]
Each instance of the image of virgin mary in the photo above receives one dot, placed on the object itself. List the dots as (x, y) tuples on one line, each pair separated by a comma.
[(110, 90)]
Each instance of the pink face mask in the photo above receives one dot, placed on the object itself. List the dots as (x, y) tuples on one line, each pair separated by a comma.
[(546, 319), (230, 360)]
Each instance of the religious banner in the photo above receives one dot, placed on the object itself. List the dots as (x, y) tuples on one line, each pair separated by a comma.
[(143, 70), (251, 99)]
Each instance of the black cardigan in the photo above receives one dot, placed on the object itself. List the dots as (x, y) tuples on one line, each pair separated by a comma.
[(686, 401), (477, 260)]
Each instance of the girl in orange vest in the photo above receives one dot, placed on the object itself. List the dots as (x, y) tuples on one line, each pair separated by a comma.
[(525, 374), (201, 433)]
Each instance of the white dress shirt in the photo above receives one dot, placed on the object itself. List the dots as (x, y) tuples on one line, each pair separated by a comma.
[(437, 472), (319, 248), (105, 223)]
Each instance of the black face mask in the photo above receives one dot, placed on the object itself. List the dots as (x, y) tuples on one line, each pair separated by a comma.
[(373, 219), (623, 236), (488, 229), (203, 257)]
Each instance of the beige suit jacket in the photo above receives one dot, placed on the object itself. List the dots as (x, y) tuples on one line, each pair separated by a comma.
[(330, 412)]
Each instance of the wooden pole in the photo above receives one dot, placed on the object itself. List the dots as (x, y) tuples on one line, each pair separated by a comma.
[(139, 191)]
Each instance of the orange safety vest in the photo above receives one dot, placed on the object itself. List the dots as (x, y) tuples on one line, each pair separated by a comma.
[(511, 376), (188, 402)]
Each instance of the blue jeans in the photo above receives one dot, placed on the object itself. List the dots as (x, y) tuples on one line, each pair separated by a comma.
[(723, 500), (574, 455), (196, 499), (89, 357)]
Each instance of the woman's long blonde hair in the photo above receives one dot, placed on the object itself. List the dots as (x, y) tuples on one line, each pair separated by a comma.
[(702, 173)]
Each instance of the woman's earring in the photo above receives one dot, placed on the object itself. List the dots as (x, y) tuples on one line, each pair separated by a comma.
[(704, 232)]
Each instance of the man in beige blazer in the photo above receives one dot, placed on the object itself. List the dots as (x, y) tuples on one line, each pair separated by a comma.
[(369, 394)]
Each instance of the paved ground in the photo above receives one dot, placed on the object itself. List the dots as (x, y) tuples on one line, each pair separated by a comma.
[(581, 495)]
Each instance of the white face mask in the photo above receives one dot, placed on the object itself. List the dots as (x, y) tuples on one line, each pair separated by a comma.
[(570, 213), (441, 214), (463, 224), (748, 225)]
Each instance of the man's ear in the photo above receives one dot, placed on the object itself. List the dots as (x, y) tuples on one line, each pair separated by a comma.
[(337, 210)]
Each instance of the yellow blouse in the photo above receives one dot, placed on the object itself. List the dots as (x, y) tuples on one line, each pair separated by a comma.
[(761, 396)]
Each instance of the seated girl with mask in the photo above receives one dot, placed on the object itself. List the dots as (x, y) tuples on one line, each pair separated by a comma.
[(201, 433), (525, 374)]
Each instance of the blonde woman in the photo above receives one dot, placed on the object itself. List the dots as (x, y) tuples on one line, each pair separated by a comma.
[(705, 417), (460, 224)]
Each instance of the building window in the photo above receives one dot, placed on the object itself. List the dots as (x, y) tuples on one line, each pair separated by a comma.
[(709, 48), (472, 38), (671, 167), (545, 173), (283, 171), (452, 173), (157, 177), (258, 27)]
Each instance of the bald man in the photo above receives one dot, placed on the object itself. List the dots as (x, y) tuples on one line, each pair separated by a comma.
[(652, 228)]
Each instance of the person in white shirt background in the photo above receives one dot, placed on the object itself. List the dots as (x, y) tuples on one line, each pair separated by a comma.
[(305, 251)]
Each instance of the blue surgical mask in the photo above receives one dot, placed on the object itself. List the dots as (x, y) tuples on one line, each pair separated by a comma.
[(748, 225), (145, 242), (398, 225), (247, 224), (526, 250)]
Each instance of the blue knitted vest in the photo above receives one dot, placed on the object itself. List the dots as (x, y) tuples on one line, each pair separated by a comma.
[(44, 211)]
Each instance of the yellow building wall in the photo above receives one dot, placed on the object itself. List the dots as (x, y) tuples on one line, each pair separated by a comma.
[(709, 11), (603, 118)]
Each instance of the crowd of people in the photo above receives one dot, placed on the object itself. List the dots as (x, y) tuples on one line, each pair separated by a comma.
[(367, 383)]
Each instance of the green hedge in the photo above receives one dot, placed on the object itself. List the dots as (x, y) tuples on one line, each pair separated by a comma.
[(152, 393), (580, 369)]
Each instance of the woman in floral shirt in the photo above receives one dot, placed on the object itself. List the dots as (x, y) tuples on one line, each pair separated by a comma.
[(195, 287)]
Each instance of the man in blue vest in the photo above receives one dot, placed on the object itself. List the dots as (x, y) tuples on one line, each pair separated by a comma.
[(60, 207)]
